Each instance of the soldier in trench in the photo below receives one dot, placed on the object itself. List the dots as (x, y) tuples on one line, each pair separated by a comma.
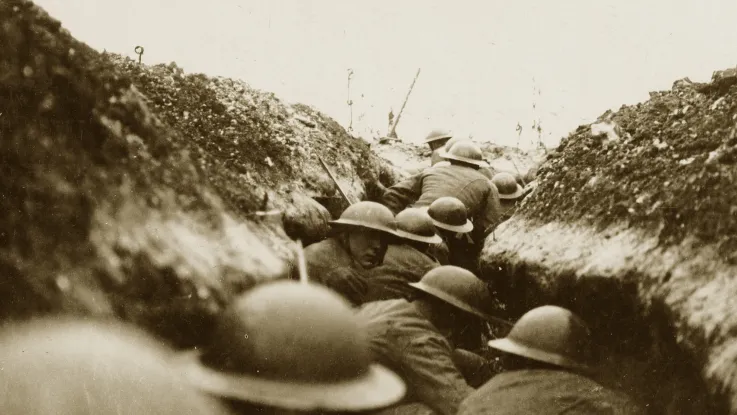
[(449, 216), (418, 338), (288, 348), (547, 359), (436, 140), (407, 258), (461, 179), (487, 171), (510, 193), (342, 261)]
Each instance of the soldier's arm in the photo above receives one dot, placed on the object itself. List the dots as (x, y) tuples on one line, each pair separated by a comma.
[(432, 376), (491, 215), (403, 193)]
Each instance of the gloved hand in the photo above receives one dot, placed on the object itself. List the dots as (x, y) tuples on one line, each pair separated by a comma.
[(474, 368), (348, 282), (374, 190)]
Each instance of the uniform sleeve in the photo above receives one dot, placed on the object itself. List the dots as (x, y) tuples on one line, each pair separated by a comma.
[(403, 193), (432, 376), (475, 369), (490, 216)]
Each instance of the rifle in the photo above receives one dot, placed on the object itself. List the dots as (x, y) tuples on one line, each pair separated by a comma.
[(340, 189)]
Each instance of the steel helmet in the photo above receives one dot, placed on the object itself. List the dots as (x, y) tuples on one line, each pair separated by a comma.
[(452, 141), (415, 224), (436, 135), (450, 213), (70, 367), (369, 215), (549, 334), (507, 186), (458, 287), (465, 151), (294, 346)]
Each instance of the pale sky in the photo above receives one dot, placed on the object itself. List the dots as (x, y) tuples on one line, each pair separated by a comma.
[(478, 58)]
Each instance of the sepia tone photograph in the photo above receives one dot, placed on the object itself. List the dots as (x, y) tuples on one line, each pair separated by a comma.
[(368, 207)]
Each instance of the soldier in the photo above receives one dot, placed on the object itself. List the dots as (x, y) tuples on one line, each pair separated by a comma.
[(68, 367), (407, 258), (449, 216), (547, 358), (510, 193), (341, 262), (487, 171), (461, 180), (436, 140), (291, 347), (418, 338)]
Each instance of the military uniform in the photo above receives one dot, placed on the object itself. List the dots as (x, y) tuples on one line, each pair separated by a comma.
[(403, 339), (467, 184), (545, 392), (402, 264)]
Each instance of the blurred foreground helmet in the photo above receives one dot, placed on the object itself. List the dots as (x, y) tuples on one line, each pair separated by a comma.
[(79, 367), (415, 224), (369, 215), (458, 287), (292, 346), (450, 213), (551, 335)]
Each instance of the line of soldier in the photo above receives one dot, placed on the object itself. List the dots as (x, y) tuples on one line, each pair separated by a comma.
[(393, 321)]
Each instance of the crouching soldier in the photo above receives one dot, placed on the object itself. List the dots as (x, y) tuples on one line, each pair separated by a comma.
[(510, 193), (417, 339), (547, 359), (461, 179), (407, 258), (341, 262), (436, 140), (449, 216), (286, 347)]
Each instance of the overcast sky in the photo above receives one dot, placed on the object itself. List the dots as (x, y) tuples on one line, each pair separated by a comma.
[(481, 60)]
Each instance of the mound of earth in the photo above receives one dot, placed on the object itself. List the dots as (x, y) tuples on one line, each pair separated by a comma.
[(633, 224), (138, 192)]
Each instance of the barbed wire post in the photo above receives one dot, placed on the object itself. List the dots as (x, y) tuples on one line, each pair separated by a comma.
[(350, 101), (139, 52)]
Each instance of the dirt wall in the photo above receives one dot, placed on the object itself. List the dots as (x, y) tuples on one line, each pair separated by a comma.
[(632, 225), (135, 192)]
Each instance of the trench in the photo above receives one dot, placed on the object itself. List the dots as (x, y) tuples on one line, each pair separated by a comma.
[(638, 352)]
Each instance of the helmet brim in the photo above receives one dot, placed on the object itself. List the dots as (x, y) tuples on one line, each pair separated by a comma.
[(516, 348), (450, 300), (377, 388), (357, 224), (435, 239), (479, 163), (442, 137), (516, 195), (465, 228)]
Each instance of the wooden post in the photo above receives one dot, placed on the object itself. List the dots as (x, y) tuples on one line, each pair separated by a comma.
[(393, 129)]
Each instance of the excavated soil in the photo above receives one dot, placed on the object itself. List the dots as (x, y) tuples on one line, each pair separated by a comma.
[(634, 229), (133, 192), (672, 171)]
